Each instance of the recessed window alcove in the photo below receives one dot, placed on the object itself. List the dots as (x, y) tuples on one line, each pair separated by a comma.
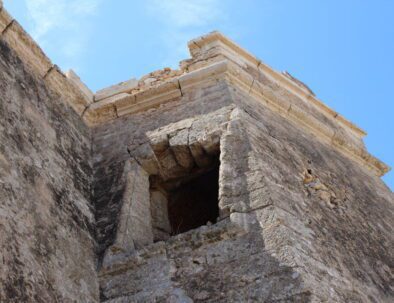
[(182, 204)]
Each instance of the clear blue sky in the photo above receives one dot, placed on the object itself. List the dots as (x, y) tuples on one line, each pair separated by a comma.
[(342, 49)]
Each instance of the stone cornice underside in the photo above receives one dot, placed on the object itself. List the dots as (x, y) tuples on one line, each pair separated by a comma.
[(213, 57)]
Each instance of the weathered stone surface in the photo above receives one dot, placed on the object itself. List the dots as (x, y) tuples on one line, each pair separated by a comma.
[(46, 219), (135, 228), (278, 185), (122, 87), (303, 216), (5, 18), (74, 78), (159, 211), (26, 48), (59, 83)]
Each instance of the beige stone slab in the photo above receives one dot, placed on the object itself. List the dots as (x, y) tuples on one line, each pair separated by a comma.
[(215, 45), (113, 107), (206, 41), (167, 88), (124, 103), (27, 48), (62, 86), (74, 78), (122, 87), (150, 98), (204, 74), (300, 116), (95, 115), (5, 19)]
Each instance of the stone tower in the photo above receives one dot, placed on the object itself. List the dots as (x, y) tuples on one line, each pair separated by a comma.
[(223, 181)]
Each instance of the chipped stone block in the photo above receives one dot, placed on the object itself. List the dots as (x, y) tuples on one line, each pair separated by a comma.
[(27, 49), (74, 78), (102, 111), (155, 95), (5, 18), (210, 73), (179, 144), (135, 227), (200, 156), (159, 141), (123, 103), (159, 210), (122, 87), (62, 86)]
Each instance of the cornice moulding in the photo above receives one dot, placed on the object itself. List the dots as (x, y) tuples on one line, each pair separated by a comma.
[(240, 79), (205, 43)]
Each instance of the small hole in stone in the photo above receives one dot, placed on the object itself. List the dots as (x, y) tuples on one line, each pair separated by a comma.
[(309, 171), (185, 203), (194, 203)]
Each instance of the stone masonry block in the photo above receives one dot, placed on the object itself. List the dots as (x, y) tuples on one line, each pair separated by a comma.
[(27, 49)]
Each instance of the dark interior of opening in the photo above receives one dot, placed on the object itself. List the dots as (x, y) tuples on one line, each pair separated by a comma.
[(194, 202)]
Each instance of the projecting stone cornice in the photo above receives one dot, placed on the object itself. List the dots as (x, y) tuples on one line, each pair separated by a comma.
[(218, 44), (213, 57), (125, 104)]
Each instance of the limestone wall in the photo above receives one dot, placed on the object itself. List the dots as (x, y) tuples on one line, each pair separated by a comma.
[(46, 219), (296, 216), (303, 215), (328, 218), (113, 141)]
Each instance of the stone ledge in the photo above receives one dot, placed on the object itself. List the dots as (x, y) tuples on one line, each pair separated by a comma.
[(237, 77), (190, 240), (76, 94), (123, 87), (74, 78), (67, 89), (5, 18), (215, 47), (25, 47), (216, 44)]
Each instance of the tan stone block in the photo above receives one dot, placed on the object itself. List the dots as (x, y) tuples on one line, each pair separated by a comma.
[(268, 96), (208, 73), (99, 112), (5, 19), (124, 103), (179, 144), (166, 91), (220, 44), (62, 86), (159, 210), (27, 49), (146, 158), (122, 87), (150, 98), (75, 80), (302, 117)]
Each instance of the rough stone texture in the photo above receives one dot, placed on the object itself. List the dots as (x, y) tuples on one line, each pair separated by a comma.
[(116, 89), (303, 216), (115, 142), (325, 221), (46, 219)]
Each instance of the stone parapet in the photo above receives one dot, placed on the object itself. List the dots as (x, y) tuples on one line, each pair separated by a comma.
[(335, 134), (76, 94)]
